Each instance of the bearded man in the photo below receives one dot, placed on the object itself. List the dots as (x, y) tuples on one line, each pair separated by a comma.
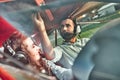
[(65, 53)]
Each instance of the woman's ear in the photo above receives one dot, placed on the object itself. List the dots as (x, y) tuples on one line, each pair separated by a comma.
[(22, 57)]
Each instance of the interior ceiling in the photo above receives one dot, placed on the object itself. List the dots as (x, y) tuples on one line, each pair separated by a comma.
[(87, 7), (18, 12), (2, 1)]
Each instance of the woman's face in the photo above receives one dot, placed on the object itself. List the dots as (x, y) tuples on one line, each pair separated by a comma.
[(31, 49)]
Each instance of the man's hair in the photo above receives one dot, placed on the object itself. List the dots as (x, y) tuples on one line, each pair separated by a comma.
[(75, 25)]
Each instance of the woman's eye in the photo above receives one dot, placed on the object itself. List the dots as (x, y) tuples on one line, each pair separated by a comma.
[(33, 46)]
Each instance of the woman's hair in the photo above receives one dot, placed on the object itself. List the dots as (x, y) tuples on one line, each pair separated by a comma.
[(12, 47), (14, 41)]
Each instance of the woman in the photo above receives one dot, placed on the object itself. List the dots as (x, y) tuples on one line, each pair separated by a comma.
[(23, 49), (12, 48), (36, 60), (42, 64), (34, 53)]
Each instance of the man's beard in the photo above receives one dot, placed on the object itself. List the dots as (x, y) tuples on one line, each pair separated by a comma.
[(67, 35)]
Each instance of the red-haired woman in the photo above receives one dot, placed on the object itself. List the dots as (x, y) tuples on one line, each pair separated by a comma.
[(12, 48), (26, 51)]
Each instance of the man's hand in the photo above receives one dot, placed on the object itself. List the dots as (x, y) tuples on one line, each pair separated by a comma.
[(38, 21), (45, 42)]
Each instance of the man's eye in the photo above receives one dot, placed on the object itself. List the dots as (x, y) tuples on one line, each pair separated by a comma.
[(67, 25)]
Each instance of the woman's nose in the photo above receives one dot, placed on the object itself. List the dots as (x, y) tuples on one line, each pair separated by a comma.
[(38, 48)]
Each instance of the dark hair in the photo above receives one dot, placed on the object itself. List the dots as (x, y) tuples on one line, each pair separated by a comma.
[(75, 25)]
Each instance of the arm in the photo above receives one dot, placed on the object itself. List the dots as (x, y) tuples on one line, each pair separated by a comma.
[(46, 44), (60, 72)]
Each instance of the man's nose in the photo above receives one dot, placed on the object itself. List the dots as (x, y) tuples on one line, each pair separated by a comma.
[(64, 28)]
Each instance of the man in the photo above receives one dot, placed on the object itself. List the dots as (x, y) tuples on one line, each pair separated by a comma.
[(65, 53)]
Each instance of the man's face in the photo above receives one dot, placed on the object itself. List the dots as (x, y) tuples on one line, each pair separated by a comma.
[(67, 29), (31, 49)]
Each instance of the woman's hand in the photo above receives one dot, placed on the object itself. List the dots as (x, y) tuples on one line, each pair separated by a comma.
[(38, 21)]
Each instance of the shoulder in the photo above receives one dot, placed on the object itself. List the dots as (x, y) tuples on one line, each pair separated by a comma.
[(85, 39), (82, 41)]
